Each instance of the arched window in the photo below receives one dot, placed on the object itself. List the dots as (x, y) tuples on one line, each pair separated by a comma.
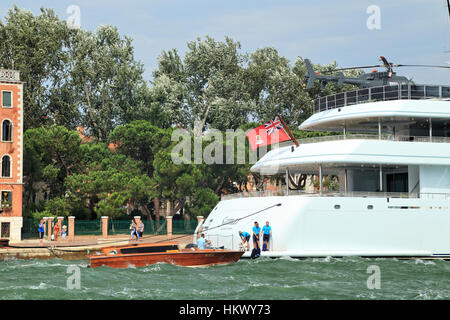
[(6, 130), (6, 166)]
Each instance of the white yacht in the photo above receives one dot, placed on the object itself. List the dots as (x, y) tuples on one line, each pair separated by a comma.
[(393, 165)]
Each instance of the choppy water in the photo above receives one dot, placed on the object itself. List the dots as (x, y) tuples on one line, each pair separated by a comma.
[(263, 278)]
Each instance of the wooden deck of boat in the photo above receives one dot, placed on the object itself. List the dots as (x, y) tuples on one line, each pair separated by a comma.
[(143, 254)]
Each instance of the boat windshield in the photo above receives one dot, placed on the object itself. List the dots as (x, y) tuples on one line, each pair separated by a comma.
[(149, 249)]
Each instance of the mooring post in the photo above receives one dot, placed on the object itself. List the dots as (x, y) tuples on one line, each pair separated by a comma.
[(59, 222), (49, 228), (169, 226), (105, 227), (199, 221), (71, 232)]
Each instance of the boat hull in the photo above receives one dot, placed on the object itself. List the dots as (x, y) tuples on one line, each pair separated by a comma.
[(314, 226), (186, 258)]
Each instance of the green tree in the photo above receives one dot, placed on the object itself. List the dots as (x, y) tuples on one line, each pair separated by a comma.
[(50, 155), (212, 78), (37, 47), (276, 88), (73, 77), (111, 185), (106, 78)]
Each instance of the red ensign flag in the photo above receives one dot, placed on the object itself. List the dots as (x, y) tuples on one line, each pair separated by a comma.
[(267, 134)]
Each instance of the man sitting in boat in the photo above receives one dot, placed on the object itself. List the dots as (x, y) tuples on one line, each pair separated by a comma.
[(201, 242), (245, 237)]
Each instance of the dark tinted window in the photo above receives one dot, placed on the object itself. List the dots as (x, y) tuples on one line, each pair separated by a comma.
[(148, 249), (6, 130)]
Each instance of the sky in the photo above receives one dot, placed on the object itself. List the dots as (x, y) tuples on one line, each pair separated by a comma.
[(349, 32)]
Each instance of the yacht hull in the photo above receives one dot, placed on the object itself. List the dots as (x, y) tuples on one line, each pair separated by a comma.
[(320, 226)]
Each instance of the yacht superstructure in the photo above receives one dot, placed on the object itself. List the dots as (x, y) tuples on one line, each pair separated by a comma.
[(392, 160)]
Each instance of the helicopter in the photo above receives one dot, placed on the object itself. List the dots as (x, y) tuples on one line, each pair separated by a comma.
[(367, 80)]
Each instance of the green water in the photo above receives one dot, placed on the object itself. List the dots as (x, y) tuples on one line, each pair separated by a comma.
[(263, 278)]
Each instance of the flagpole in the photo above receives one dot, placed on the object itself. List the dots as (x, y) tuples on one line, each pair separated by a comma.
[(289, 131)]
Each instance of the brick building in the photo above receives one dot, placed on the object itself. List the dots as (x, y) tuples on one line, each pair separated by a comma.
[(11, 154)]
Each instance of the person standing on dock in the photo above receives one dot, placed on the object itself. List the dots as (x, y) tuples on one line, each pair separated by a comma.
[(41, 230), (256, 234), (133, 230), (267, 234), (140, 229), (64, 232), (56, 231)]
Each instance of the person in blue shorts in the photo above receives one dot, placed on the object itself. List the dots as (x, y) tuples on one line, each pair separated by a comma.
[(267, 234), (41, 230), (245, 237), (256, 235)]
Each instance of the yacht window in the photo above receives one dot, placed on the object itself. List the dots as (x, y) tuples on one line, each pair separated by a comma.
[(337, 206), (445, 92), (370, 207)]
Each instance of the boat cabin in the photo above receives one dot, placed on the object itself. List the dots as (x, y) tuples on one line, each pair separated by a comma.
[(390, 146), (138, 248)]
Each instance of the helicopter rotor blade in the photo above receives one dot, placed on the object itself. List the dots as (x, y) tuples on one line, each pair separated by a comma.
[(353, 68), (448, 5), (421, 65)]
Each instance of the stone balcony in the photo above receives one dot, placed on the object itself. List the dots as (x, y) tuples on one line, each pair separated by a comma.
[(9, 75)]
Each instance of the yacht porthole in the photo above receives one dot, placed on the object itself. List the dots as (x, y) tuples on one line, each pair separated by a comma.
[(370, 207), (337, 206)]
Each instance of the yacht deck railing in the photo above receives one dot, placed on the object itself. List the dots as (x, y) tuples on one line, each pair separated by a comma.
[(354, 194), (383, 93), (403, 138)]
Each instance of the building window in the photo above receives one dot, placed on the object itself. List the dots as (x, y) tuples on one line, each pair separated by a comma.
[(6, 199), (4, 229), (6, 99), (6, 166), (6, 131)]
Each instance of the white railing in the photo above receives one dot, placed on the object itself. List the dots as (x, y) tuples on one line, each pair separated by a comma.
[(352, 194), (383, 93), (218, 240), (402, 138)]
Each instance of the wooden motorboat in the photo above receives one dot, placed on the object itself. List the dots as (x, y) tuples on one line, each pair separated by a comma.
[(144, 254)]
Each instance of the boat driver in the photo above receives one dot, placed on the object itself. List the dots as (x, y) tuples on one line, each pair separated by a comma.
[(201, 242)]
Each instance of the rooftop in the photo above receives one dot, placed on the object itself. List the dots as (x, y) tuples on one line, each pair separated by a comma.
[(9, 75)]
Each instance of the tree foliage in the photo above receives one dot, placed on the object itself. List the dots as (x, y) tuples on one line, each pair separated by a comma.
[(75, 77)]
